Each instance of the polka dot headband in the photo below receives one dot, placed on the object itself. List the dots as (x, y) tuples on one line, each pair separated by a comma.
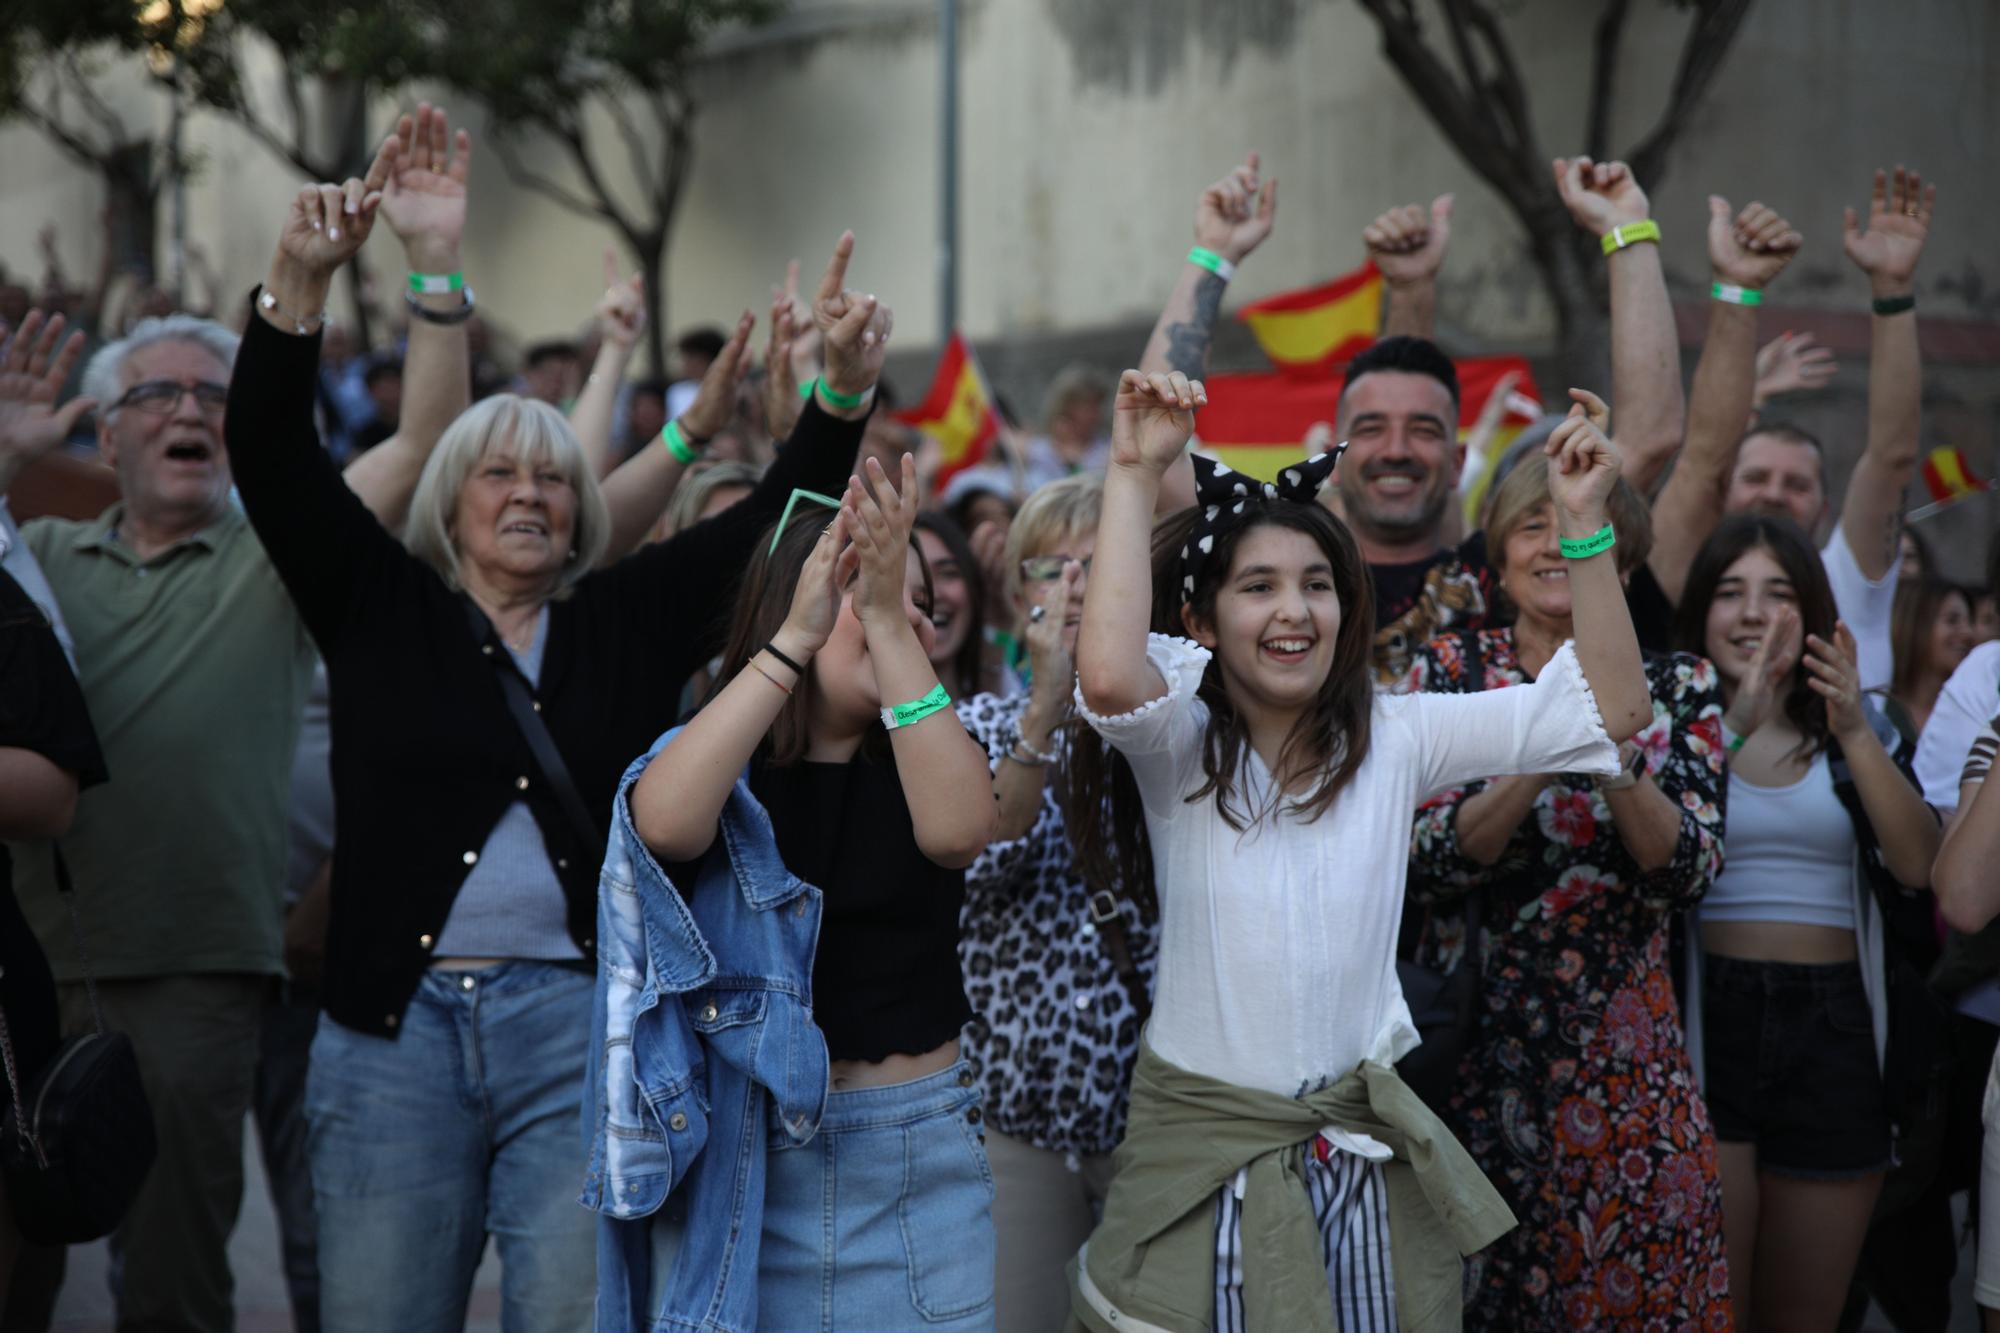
[(1224, 495)]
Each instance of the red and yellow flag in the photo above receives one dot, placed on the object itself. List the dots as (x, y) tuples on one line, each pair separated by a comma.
[(958, 411), (1257, 423), (1308, 332), (1948, 476)]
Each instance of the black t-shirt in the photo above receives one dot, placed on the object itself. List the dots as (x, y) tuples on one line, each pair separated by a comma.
[(886, 978), (1652, 613), (41, 709), (1415, 602)]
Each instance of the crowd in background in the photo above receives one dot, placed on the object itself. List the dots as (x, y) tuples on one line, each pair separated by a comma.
[(652, 824)]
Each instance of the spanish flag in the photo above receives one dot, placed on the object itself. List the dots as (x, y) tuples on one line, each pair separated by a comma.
[(958, 411), (1258, 423), (1949, 477), (1310, 331)]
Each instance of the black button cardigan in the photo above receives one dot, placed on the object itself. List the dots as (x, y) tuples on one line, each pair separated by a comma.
[(426, 756)]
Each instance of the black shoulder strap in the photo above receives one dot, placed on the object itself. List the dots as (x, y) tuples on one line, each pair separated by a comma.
[(533, 730)]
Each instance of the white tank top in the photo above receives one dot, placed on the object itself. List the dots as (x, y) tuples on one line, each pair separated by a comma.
[(1788, 855)]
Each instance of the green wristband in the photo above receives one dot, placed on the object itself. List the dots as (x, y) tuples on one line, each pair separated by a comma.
[(902, 715), (806, 389), (846, 402), (436, 284), (677, 443), (1203, 257), (1734, 295), (1895, 305), (1582, 548)]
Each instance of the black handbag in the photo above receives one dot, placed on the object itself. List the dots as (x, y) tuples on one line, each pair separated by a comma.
[(77, 1142)]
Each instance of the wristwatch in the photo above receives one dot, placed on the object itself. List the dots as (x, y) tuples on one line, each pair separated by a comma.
[(1635, 768)]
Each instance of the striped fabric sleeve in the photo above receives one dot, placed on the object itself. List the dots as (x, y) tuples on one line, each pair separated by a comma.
[(1979, 759)]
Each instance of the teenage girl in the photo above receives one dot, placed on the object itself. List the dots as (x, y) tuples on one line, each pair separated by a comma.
[(1272, 1150), (882, 1219)]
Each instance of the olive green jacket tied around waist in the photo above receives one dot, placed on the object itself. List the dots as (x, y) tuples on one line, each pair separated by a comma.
[(1150, 1264)]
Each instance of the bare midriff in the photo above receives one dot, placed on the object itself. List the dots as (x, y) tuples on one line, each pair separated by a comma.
[(1778, 942), (846, 1075)]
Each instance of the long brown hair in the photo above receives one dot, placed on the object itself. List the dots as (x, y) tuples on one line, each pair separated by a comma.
[(762, 604), (1804, 709), (1919, 604), (1100, 798)]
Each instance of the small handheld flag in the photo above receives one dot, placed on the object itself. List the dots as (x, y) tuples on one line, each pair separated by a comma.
[(1949, 478), (957, 412)]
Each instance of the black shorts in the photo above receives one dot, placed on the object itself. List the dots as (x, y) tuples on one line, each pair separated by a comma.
[(1790, 1060)]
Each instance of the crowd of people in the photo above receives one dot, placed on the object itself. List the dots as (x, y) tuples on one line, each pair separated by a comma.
[(655, 827)]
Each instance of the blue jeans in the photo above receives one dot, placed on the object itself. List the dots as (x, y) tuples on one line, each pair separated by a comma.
[(465, 1125), (884, 1220)]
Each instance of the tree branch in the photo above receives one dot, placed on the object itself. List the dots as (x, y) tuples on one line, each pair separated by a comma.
[(547, 188), (636, 147), (1708, 41), (1603, 69)]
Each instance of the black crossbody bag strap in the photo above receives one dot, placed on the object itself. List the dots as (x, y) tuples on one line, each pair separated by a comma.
[(533, 730)]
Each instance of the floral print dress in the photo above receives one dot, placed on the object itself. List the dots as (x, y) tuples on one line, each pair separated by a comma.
[(1575, 1094)]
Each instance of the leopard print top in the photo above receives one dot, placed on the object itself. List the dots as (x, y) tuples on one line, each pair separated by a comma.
[(1054, 1034)]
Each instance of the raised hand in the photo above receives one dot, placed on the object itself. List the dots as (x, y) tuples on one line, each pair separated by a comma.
[(1583, 465), (715, 401), (1762, 687), (1899, 221), (1831, 673), (328, 223), (816, 597), (1600, 195), (424, 198), (1790, 362), (1234, 215), (881, 515), (854, 326), (34, 365), (1408, 243), (1048, 660), (1153, 417), (781, 380), (621, 311), (1752, 249)]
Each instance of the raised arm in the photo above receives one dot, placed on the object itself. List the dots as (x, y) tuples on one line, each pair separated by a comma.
[(1407, 245), (423, 201), (1150, 424), (1603, 198), (1899, 219), (939, 766), (621, 322), (1749, 253), (1231, 219), (1583, 466), (1788, 363), (1905, 827), (638, 492), (1023, 769), (35, 362), (679, 798)]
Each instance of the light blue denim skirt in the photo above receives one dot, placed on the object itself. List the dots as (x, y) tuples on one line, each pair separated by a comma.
[(884, 1220)]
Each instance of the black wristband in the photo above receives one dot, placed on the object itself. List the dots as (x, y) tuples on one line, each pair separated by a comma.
[(797, 670), (1895, 305), (456, 315)]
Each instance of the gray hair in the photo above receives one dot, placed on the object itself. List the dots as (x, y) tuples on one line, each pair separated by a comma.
[(1066, 508), (1075, 383), (692, 495), (104, 377), (513, 428)]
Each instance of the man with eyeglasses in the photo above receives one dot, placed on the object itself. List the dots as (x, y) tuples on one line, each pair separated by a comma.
[(195, 667)]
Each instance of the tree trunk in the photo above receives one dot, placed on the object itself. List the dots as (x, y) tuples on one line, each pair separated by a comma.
[(651, 250), (132, 198), (1583, 331), (357, 292)]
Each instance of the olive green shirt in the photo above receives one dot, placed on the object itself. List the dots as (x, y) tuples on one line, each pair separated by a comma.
[(195, 669), (1150, 1264)]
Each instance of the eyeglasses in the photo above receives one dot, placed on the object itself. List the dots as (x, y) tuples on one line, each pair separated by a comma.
[(160, 397), (1048, 568)]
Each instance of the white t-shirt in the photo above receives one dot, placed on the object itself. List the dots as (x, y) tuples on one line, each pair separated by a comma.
[(1866, 607), (1968, 701), (1277, 965)]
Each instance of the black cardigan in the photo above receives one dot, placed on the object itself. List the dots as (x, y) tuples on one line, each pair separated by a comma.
[(426, 756)]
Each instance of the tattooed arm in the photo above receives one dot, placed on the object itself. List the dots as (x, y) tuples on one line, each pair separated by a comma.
[(1899, 219), (1232, 218)]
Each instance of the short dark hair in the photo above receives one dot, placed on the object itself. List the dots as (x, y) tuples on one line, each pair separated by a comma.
[(1790, 434), (655, 388), (554, 349), (1411, 356), (707, 341), (381, 368)]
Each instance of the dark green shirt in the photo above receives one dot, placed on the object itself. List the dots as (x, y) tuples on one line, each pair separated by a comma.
[(195, 668)]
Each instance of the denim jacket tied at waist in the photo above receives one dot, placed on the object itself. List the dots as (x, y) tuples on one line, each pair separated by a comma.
[(702, 1046)]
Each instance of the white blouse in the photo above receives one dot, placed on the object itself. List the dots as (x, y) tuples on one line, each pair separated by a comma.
[(1277, 965)]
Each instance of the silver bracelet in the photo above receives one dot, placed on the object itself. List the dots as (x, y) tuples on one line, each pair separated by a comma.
[(1022, 753), (303, 325)]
